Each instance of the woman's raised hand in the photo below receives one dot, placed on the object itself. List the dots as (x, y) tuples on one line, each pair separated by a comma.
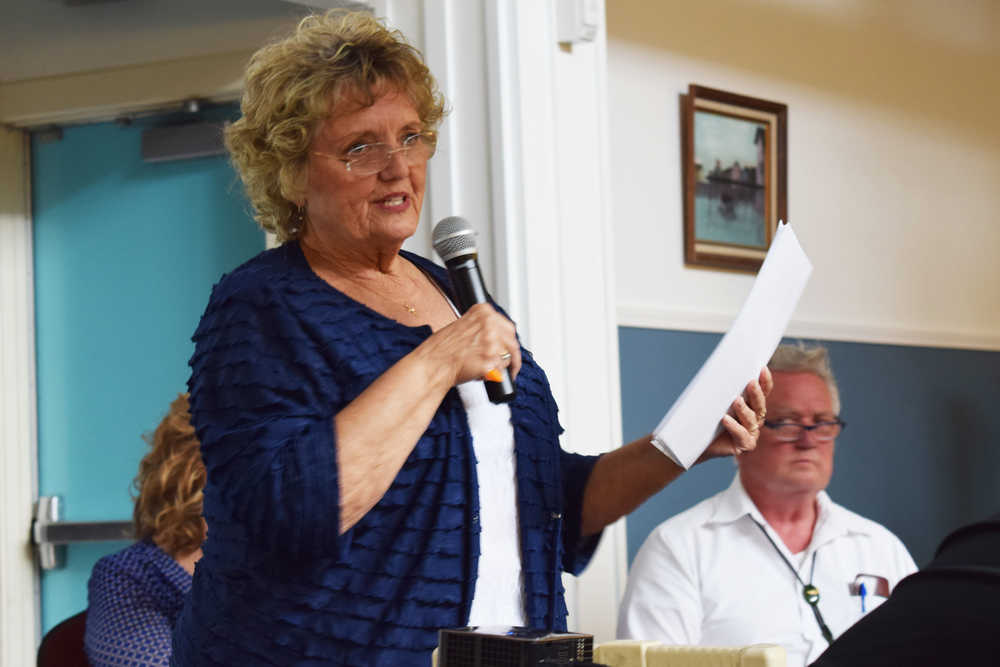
[(742, 424)]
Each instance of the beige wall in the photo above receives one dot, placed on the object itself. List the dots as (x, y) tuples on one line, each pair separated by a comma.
[(893, 150)]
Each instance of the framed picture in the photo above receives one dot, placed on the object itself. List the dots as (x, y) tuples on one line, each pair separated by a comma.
[(735, 177)]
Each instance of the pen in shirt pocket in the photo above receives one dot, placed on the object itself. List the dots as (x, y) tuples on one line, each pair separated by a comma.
[(865, 585)]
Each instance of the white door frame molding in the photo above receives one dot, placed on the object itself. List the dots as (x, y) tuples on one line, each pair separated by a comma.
[(19, 610), (88, 97)]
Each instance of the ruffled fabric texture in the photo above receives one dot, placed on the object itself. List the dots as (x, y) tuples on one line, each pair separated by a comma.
[(278, 353)]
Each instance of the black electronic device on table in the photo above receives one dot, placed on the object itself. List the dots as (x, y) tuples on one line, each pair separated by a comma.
[(512, 647)]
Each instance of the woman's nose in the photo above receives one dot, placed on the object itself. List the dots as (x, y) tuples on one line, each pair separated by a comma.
[(397, 167)]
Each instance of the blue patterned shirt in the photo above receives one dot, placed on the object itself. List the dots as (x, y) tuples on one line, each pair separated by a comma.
[(135, 597)]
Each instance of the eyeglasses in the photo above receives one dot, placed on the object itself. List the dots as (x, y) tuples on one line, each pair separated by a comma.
[(792, 431), (368, 159)]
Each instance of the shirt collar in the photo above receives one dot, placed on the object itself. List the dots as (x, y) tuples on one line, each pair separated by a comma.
[(833, 520), (734, 503)]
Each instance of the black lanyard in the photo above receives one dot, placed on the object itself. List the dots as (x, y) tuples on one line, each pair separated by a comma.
[(809, 592)]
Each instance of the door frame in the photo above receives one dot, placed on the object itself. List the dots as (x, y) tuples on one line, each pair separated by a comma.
[(19, 606), (77, 98)]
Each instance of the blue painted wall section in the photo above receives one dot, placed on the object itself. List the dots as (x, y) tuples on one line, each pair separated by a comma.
[(921, 453), (126, 254)]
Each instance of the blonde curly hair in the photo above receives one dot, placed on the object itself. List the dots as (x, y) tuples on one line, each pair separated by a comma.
[(169, 485), (294, 84)]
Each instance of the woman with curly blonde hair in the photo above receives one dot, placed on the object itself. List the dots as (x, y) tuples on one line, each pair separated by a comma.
[(363, 492), (136, 595)]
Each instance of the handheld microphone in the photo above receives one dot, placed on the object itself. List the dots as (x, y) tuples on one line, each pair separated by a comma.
[(454, 241)]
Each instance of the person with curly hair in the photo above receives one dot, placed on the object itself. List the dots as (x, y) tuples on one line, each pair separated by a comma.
[(136, 594), (363, 491)]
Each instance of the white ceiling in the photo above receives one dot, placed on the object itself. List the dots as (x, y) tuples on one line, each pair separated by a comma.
[(52, 37)]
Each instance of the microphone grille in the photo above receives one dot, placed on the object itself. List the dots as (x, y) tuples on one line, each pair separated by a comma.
[(454, 237)]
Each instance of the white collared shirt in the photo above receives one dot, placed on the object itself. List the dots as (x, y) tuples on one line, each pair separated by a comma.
[(710, 577)]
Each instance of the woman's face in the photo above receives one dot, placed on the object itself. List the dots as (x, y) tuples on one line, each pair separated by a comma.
[(380, 209)]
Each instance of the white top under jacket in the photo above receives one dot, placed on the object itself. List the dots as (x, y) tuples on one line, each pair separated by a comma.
[(710, 577), (499, 596)]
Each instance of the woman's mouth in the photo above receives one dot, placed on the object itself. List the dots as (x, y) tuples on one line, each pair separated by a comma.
[(394, 202)]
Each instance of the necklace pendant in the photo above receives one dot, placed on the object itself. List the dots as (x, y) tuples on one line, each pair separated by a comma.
[(411, 309), (811, 594)]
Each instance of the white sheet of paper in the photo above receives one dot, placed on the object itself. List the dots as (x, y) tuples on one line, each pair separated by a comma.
[(693, 420)]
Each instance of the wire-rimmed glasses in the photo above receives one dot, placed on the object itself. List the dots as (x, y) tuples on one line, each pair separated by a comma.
[(368, 159), (789, 431)]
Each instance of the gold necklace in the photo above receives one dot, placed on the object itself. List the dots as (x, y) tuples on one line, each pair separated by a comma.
[(409, 308)]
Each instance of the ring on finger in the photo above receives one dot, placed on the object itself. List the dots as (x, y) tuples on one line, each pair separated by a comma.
[(505, 356)]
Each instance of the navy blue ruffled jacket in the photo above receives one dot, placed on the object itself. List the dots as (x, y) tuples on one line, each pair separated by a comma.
[(278, 353)]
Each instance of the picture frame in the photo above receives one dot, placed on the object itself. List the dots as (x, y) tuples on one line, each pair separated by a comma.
[(735, 170)]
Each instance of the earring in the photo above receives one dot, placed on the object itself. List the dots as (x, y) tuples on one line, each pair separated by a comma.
[(298, 219)]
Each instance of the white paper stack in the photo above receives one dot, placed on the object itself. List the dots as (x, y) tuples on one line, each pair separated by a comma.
[(693, 420)]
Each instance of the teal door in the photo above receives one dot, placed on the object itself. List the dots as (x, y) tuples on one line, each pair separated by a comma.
[(126, 253)]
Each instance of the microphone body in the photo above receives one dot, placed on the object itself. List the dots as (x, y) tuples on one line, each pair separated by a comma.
[(467, 282)]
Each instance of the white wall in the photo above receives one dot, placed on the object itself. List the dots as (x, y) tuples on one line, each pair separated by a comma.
[(893, 153)]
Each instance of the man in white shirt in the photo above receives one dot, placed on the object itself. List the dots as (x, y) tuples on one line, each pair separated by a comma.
[(771, 558)]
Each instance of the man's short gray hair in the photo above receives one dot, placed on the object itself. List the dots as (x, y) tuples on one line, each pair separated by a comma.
[(802, 358)]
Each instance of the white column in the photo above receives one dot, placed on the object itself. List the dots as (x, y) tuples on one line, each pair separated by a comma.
[(19, 609), (552, 230), (451, 34)]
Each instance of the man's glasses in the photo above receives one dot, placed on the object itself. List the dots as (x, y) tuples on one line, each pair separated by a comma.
[(792, 431), (368, 159)]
